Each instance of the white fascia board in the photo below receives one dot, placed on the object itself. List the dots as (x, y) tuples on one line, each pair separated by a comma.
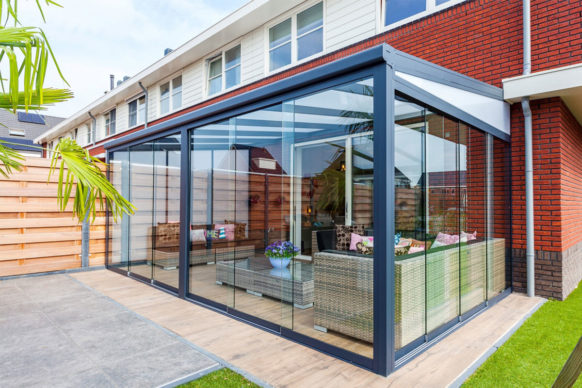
[(250, 16), (560, 82)]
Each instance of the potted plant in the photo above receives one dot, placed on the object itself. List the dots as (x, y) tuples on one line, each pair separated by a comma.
[(280, 253)]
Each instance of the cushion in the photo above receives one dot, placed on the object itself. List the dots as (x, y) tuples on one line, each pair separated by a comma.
[(198, 235), (225, 231), (343, 235), (468, 236), (415, 249), (437, 244), (447, 239), (240, 229), (364, 249), (355, 238)]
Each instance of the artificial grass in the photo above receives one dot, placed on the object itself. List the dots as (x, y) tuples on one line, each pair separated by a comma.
[(222, 378), (536, 353)]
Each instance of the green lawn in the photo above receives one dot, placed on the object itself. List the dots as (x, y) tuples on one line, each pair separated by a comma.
[(222, 378), (536, 353)]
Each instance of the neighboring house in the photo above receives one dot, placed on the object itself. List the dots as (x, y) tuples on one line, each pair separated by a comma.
[(329, 122), (22, 128)]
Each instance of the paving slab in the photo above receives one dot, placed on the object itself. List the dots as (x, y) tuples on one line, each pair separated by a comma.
[(56, 332)]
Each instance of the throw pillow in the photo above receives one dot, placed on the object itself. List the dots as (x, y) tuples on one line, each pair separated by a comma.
[(225, 231), (240, 229), (468, 236), (415, 249), (343, 235), (365, 250), (355, 238), (198, 235)]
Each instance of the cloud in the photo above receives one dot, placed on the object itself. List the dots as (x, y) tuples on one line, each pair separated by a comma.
[(95, 38)]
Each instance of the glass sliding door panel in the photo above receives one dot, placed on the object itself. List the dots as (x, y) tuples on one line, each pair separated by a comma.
[(332, 216), (119, 231), (442, 202), (409, 223), (498, 241), (142, 197), (166, 222), (472, 190), (213, 184)]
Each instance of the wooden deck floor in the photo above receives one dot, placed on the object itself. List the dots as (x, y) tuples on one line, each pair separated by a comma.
[(283, 363)]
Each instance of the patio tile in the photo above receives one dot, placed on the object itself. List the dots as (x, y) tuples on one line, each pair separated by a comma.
[(10, 295)]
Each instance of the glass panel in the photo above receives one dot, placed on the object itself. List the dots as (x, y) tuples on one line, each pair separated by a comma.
[(232, 57), (280, 34), (165, 98), (215, 85), (212, 203), (409, 223), (232, 77), (310, 19), (142, 197), (215, 67), (166, 222), (177, 93), (439, 2), (397, 10), (498, 252), (472, 186), (119, 232), (132, 114), (280, 56), (141, 110), (442, 259), (112, 122), (310, 44)]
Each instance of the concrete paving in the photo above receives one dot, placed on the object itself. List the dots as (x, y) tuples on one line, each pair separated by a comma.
[(56, 332)]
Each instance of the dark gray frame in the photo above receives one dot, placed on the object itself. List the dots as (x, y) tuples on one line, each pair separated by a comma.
[(380, 62)]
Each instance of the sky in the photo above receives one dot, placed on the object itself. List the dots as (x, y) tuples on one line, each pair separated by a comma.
[(94, 38)]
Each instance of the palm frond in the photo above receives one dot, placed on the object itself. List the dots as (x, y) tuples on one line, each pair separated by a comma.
[(9, 159), (92, 189), (49, 96)]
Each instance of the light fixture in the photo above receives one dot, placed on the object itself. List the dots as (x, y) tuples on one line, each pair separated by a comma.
[(343, 166)]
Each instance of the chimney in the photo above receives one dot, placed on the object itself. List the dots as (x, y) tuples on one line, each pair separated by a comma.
[(167, 51), (111, 81)]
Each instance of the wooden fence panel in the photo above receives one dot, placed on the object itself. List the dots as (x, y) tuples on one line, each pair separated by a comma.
[(34, 236)]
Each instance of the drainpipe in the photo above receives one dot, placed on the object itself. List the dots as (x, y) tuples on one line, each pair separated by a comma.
[(145, 91), (85, 227), (529, 206)]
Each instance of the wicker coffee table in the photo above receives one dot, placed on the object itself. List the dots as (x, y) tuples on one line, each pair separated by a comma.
[(256, 275)]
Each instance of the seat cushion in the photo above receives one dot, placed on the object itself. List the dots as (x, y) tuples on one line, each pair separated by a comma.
[(343, 236)]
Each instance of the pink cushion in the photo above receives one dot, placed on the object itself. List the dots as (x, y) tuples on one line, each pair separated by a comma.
[(447, 239), (355, 238), (415, 249), (198, 235), (468, 236), (228, 230)]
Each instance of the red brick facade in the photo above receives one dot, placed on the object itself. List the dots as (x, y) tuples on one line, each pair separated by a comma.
[(483, 39)]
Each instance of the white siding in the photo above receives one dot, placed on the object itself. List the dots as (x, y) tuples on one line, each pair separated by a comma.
[(100, 133), (349, 21), (253, 56), (193, 84), (82, 134)]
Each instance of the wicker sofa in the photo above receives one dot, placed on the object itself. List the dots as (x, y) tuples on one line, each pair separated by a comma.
[(343, 288), (165, 238)]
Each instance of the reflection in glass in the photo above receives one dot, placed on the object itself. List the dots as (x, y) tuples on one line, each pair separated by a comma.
[(397, 10), (119, 232)]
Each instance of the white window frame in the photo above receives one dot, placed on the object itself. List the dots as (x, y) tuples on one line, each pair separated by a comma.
[(171, 95), (222, 55), (108, 123), (137, 106), (431, 8), (294, 37), (16, 132)]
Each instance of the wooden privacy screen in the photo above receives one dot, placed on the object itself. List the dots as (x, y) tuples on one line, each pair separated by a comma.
[(34, 235)]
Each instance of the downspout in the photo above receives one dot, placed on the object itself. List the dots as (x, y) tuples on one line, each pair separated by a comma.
[(145, 92), (85, 227), (529, 194)]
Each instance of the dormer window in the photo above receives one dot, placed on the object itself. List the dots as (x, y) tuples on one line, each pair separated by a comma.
[(397, 12), (224, 70)]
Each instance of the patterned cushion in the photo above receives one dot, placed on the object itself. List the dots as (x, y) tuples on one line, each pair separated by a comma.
[(344, 235), (239, 230)]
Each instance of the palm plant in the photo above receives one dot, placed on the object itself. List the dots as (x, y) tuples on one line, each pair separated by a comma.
[(25, 55)]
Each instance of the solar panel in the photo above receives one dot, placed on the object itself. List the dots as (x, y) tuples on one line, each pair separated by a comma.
[(33, 118)]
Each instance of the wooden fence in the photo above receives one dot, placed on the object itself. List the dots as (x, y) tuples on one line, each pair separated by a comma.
[(34, 235)]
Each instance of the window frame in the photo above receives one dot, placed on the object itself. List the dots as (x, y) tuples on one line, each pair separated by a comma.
[(171, 94), (16, 132), (431, 8), (137, 111), (110, 125), (222, 56), (294, 37)]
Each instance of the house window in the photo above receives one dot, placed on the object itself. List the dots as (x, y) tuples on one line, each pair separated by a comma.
[(76, 133), (224, 70), (137, 112), (110, 122), (296, 38), (171, 95), (398, 10), (16, 132)]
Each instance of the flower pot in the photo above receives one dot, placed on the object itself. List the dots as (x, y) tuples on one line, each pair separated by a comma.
[(280, 262)]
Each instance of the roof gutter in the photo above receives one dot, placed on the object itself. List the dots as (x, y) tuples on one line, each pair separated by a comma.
[(529, 193), (147, 103)]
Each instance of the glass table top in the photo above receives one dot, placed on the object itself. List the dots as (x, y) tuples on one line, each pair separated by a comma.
[(296, 270)]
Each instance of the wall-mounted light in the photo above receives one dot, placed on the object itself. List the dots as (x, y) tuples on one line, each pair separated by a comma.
[(309, 209), (343, 166)]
